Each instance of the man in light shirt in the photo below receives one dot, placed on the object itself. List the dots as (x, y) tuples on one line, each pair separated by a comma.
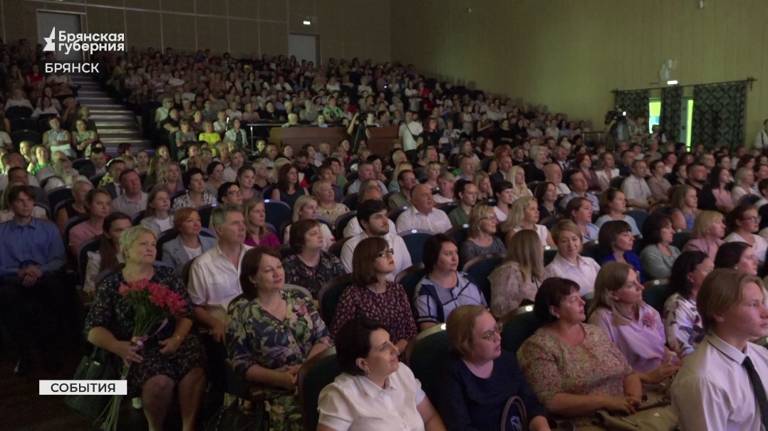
[(133, 200), (365, 172), (372, 215), (423, 215), (721, 385), (214, 277), (409, 131), (635, 187)]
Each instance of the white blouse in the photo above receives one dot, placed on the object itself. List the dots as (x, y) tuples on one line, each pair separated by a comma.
[(356, 403)]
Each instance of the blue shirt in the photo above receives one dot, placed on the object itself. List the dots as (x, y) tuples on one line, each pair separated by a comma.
[(38, 242), (633, 259)]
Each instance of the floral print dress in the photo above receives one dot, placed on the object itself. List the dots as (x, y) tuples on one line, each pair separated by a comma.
[(112, 312), (256, 337), (313, 278)]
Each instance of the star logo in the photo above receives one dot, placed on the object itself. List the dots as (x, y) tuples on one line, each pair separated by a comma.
[(50, 45)]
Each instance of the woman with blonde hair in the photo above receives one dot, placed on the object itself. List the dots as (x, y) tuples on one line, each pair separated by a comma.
[(524, 214), (516, 176), (686, 199), (257, 232), (708, 233), (481, 238), (634, 326), (305, 208), (484, 188), (517, 279)]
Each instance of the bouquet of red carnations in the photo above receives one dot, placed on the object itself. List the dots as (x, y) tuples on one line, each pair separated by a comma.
[(153, 304)]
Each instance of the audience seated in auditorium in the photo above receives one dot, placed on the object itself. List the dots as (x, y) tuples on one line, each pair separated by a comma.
[(743, 224), (257, 231), (305, 208), (466, 192), (481, 236), (196, 195), (132, 200), (422, 214), (579, 211), (617, 243), (524, 214), (613, 205), (99, 205)]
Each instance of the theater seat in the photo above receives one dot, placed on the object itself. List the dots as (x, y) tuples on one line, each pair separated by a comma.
[(426, 356), (314, 375), (330, 295), (518, 328), (479, 268), (414, 242)]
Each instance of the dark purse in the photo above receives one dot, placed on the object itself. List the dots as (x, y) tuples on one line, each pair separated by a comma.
[(240, 415), (99, 365), (514, 417)]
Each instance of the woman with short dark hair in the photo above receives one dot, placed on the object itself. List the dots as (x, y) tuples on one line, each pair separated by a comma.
[(369, 365), (373, 296), (443, 288), (309, 266), (270, 334), (616, 243)]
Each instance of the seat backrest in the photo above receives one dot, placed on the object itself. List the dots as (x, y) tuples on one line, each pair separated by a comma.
[(205, 212), (591, 249), (314, 375), (18, 112), (85, 167), (277, 212), (341, 222), (680, 238), (395, 213), (414, 242), (82, 256), (350, 201), (479, 268), (58, 195), (549, 255), (335, 248), (409, 278), (517, 329), (162, 239), (639, 216), (427, 356), (656, 293), (330, 295)]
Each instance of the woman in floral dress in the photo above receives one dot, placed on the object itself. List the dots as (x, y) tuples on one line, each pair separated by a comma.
[(173, 356), (271, 333)]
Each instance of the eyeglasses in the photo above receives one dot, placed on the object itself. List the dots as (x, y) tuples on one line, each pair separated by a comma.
[(387, 252), (492, 334)]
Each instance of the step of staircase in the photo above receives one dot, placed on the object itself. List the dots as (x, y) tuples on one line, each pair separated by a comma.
[(115, 123)]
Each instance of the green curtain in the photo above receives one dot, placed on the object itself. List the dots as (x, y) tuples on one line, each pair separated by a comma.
[(718, 114), (671, 110), (635, 102)]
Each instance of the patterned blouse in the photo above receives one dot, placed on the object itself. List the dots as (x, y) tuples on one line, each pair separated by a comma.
[(391, 308), (185, 201), (313, 278), (593, 367), (255, 337), (682, 324), (331, 214)]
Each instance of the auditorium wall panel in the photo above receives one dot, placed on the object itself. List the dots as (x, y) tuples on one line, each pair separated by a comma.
[(345, 28), (569, 55)]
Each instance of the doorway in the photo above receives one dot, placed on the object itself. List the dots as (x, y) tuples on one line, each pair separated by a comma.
[(67, 21), (303, 47)]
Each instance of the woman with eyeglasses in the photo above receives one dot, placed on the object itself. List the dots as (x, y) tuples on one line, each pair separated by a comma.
[(481, 378), (373, 296), (743, 222)]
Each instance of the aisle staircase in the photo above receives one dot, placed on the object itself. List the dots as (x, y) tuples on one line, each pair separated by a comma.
[(116, 124)]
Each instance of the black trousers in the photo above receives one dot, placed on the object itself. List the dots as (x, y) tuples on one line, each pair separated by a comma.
[(47, 314)]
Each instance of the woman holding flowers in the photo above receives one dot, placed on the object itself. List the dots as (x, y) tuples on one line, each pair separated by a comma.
[(161, 356)]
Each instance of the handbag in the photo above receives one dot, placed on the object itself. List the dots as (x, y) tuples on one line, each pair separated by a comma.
[(240, 415), (514, 416), (653, 415), (99, 365)]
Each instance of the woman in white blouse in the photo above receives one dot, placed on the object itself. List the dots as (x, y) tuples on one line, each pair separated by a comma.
[(374, 392), (524, 214)]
